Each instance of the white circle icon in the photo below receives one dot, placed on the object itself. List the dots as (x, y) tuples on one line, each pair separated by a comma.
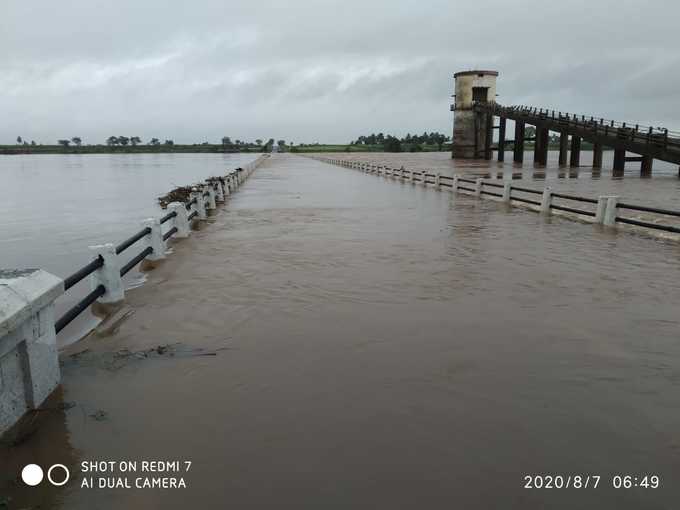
[(66, 477), (32, 474)]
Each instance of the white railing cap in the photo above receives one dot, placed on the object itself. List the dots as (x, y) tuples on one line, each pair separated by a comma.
[(23, 292)]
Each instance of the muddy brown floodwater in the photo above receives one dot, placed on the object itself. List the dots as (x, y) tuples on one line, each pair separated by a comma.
[(339, 340)]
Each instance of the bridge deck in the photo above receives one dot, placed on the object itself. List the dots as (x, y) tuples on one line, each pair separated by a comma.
[(647, 142), (385, 346)]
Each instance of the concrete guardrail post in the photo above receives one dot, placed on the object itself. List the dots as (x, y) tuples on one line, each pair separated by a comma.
[(609, 215), (108, 275), (227, 186), (411, 177), (200, 203), (546, 200), (438, 180), (29, 362), (211, 202), (478, 187), (507, 192), (454, 185), (423, 175), (180, 220), (219, 190), (154, 239)]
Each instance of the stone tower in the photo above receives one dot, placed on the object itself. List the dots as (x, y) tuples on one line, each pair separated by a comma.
[(469, 133)]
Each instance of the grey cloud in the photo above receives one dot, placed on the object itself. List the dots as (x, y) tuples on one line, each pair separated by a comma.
[(320, 70)]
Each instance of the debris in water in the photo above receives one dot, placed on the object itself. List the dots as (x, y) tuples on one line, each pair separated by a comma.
[(99, 415)]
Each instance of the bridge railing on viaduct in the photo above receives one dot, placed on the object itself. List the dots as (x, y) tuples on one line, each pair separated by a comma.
[(28, 327), (649, 142), (605, 210)]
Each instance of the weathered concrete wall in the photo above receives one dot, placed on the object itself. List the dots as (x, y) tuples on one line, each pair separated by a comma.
[(29, 364), (469, 133)]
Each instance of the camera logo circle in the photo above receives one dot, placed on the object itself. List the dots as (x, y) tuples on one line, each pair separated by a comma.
[(32, 474), (57, 475)]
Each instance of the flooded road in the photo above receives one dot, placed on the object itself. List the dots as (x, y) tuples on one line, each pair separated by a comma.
[(339, 340)]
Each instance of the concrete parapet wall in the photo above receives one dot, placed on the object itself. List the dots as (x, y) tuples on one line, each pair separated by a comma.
[(29, 363)]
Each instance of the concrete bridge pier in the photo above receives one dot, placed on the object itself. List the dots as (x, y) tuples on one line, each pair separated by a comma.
[(473, 130), (501, 138), (619, 162), (646, 166), (597, 155), (518, 149), (564, 148), (541, 146), (575, 153)]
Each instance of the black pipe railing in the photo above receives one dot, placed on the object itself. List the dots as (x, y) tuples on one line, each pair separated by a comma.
[(136, 260), (575, 198), (71, 314), (84, 271), (169, 233), (168, 216), (643, 208), (192, 215), (132, 240)]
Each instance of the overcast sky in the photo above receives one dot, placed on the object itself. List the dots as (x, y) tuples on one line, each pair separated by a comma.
[(320, 70)]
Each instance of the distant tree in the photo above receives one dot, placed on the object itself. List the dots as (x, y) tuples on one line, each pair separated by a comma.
[(530, 132), (123, 140), (77, 140), (392, 144), (64, 143), (258, 141), (19, 140), (154, 141), (226, 141), (112, 140), (169, 142), (134, 140), (32, 142)]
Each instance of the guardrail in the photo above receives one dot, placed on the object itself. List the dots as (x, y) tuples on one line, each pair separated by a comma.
[(604, 210), (106, 270)]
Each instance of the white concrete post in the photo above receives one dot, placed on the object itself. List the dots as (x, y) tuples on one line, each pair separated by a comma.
[(219, 190), (211, 197), (546, 200), (610, 211), (438, 180), (180, 220), (454, 185), (507, 192), (108, 275), (410, 176), (478, 187), (423, 176), (29, 361), (200, 204), (227, 186), (402, 171), (154, 239)]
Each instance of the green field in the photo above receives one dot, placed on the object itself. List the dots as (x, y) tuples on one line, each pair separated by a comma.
[(117, 149)]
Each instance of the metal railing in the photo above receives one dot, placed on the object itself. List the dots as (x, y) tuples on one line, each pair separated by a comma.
[(658, 136), (215, 189), (604, 210)]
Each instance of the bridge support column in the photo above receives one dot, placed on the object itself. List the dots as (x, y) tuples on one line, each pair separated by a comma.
[(597, 155), (501, 138), (646, 166), (575, 156), (518, 149), (619, 162), (541, 146), (488, 138), (564, 147)]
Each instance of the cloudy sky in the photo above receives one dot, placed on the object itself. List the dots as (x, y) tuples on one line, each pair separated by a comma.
[(321, 70)]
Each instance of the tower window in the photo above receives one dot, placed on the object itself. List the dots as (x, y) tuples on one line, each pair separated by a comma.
[(480, 94)]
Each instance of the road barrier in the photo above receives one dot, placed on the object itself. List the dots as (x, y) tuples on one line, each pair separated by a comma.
[(604, 210)]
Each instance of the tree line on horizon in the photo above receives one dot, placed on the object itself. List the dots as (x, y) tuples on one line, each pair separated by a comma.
[(392, 143), (133, 141)]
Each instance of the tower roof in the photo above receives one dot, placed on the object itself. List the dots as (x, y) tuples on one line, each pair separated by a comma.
[(464, 73)]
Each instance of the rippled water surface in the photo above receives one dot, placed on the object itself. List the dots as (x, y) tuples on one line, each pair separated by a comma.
[(382, 345)]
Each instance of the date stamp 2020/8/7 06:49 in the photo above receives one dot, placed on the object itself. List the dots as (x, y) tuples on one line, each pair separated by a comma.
[(588, 481)]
